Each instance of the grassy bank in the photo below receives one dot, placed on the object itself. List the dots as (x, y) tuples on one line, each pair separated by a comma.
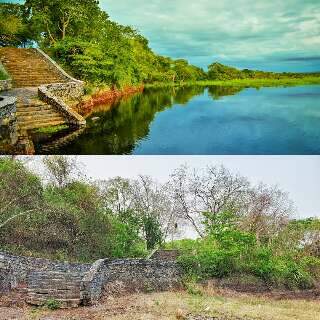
[(242, 82), (106, 95)]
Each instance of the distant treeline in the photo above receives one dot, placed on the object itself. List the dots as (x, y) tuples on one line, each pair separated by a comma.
[(218, 71), (80, 35)]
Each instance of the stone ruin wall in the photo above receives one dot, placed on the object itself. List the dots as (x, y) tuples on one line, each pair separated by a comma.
[(21, 266), (91, 281), (56, 94)]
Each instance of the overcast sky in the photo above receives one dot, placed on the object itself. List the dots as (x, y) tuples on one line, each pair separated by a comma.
[(300, 176), (268, 34)]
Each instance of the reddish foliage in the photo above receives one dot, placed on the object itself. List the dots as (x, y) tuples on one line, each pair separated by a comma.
[(106, 97)]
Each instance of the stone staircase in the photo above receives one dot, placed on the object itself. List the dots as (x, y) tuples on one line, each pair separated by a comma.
[(62, 287), (29, 68), (32, 113), (37, 114)]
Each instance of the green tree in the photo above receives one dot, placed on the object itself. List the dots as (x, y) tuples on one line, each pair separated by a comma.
[(14, 30), (56, 19), (20, 192)]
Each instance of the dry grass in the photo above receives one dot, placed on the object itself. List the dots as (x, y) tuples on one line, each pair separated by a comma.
[(175, 305)]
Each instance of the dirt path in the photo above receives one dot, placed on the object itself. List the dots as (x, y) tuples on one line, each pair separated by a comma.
[(212, 305)]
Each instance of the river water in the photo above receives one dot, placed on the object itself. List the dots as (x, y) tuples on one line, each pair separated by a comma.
[(199, 120)]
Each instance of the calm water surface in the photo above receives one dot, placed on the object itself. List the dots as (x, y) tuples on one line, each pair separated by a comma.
[(214, 120)]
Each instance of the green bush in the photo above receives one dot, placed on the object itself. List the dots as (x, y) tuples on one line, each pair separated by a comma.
[(234, 252), (52, 304), (312, 265)]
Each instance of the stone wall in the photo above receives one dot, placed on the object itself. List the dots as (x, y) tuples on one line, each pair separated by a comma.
[(7, 279), (5, 84), (74, 284), (67, 90), (22, 266), (55, 66), (93, 283), (55, 94), (7, 107), (64, 287), (135, 275)]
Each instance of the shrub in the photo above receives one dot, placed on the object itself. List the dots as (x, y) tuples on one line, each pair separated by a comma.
[(52, 304), (235, 252)]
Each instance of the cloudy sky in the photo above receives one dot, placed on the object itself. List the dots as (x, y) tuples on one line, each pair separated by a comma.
[(266, 34)]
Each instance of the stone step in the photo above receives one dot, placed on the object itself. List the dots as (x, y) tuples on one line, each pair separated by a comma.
[(56, 294), (24, 113), (25, 110), (64, 282), (31, 84), (39, 116), (44, 119), (28, 67), (64, 303), (38, 113), (37, 125), (35, 77)]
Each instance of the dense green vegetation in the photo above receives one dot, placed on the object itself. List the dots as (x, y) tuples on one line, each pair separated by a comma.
[(93, 48), (281, 262), (220, 72), (14, 28), (242, 237), (83, 38), (66, 217), (242, 229)]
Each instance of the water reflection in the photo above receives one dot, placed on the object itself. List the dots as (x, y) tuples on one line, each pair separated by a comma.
[(218, 92), (118, 129), (196, 120)]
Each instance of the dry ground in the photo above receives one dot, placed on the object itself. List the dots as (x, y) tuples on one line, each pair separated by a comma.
[(217, 305)]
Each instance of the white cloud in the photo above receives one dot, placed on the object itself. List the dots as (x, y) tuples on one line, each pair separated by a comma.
[(213, 29)]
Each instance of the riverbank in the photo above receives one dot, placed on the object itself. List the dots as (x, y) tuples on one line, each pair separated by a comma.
[(242, 83), (107, 95), (104, 97)]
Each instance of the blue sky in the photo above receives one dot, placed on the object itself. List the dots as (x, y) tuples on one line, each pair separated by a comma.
[(274, 35)]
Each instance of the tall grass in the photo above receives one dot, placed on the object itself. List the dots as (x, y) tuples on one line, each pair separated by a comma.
[(308, 80)]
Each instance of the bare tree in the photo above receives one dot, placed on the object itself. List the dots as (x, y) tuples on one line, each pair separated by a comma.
[(145, 198), (117, 194), (61, 170), (267, 211), (152, 201), (212, 190)]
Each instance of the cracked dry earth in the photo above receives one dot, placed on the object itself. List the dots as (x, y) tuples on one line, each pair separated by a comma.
[(172, 305)]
